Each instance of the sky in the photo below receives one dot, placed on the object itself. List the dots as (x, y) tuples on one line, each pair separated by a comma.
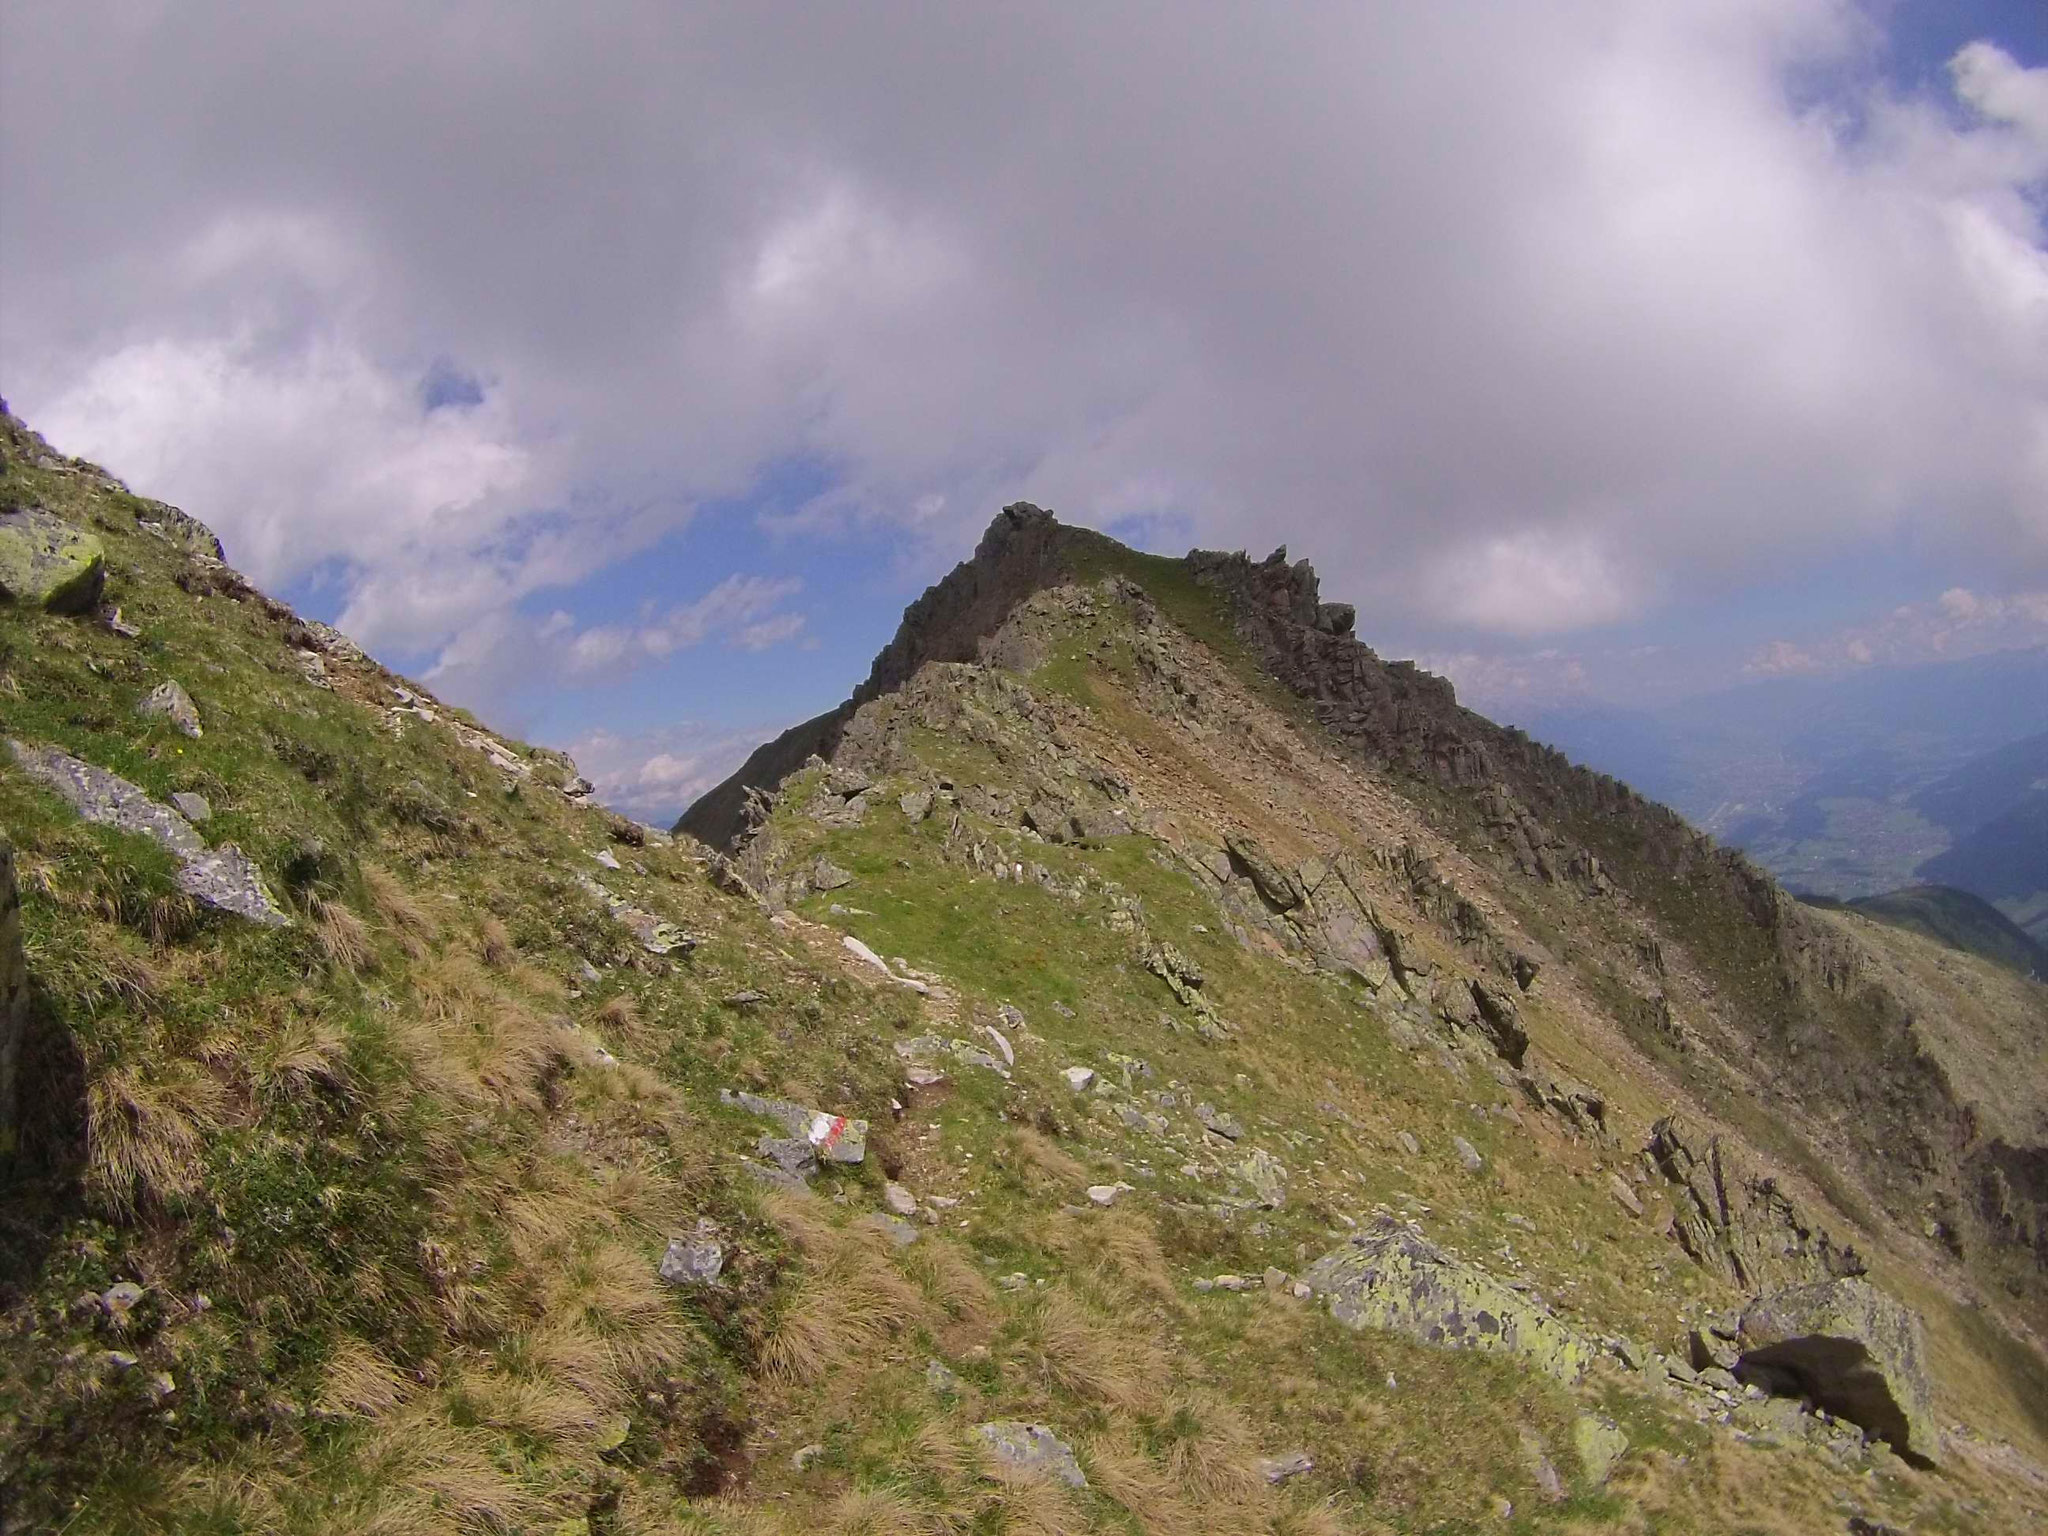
[(622, 371)]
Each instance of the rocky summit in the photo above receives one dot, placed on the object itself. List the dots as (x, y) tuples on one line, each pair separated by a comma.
[(1145, 1062)]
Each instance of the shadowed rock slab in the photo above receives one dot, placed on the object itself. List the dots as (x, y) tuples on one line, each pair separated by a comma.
[(1389, 1276), (1850, 1349), (49, 562)]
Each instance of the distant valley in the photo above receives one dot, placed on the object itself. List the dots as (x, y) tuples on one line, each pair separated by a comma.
[(1853, 786)]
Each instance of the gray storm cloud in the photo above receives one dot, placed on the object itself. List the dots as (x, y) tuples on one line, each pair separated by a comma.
[(1518, 316)]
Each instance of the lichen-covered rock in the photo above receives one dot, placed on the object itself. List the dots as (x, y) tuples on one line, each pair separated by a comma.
[(1848, 1348), (1389, 1276), (1033, 1448), (1267, 1178), (13, 997), (175, 705), (1600, 1443), (222, 877), (694, 1260), (49, 562)]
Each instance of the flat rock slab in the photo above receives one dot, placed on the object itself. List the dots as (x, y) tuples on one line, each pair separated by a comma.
[(1850, 1349), (49, 562), (694, 1260), (1277, 1469), (222, 877), (1033, 1448), (1389, 1276), (1600, 1444)]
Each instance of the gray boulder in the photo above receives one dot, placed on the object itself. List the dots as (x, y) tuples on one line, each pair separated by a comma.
[(175, 705), (1848, 1348), (1389, 1276), (49, 562), (694, 1260), (222, 877), (833, 1138), (1600, 1443), (192, 807), (1033, 1448)]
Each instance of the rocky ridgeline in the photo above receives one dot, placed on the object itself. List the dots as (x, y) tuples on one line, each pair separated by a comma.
[(1834, 1033), (1822, 1025)]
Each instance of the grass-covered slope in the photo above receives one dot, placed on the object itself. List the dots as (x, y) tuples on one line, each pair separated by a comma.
[(358, 1222)]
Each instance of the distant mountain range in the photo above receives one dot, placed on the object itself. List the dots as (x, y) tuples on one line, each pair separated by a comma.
[(1857, 785)]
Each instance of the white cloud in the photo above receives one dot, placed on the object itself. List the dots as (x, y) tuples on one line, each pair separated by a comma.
[(1517, 318), (1958, 624), (653, 776)]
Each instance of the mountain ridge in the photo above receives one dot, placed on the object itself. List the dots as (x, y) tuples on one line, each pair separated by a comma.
[(1021, 1128)]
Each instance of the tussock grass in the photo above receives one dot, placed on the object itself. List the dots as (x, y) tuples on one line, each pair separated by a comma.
[(344, 937), (146, 1132), (407, 919)]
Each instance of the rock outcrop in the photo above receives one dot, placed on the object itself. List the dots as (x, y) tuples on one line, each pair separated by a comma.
[(223, 877), (1846, 1347), (1024, 550), (1390, 1276), (49, 562), (1735, 1221)]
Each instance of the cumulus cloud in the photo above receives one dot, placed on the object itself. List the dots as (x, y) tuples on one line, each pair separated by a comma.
[(1518, 318), (504, 650), (653, 776), (1958, 624)]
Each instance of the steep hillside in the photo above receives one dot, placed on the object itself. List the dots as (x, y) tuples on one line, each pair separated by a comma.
[(1955, 918), (1144, 1064)]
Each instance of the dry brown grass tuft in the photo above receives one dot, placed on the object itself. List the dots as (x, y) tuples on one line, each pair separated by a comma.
[(1120, 1246), (1035, 1156), (1119, 1468), (619, 1012), (1075, 1351), (1029, 1504), (344, 938), (512, 1051), (303, 1053), (950, 1280), (608, 1321), (436, 1476), (494, 943), (1318, 1520), (877, 1512), (400, 911), (540, 1409), (360, 1381), (145, 1135), (119, 974), (849, 1303), (1213, 1453)]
